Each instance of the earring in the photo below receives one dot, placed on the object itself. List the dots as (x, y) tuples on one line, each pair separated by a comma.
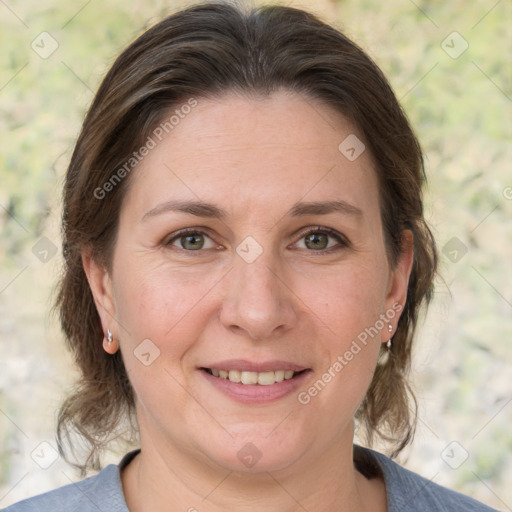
[(388, 344), (109, 343)]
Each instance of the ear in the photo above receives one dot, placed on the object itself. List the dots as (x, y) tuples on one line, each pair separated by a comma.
[(399, 278), (100, 283)]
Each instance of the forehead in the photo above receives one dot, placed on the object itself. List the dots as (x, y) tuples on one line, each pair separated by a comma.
[(256, 152)]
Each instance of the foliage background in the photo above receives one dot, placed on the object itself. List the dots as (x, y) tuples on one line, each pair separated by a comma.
[(461, 109)]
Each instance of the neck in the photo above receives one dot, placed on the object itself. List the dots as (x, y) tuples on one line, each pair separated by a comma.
[(161, 479)]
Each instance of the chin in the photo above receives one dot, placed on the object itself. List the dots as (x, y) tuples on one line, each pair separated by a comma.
[(258, 453)]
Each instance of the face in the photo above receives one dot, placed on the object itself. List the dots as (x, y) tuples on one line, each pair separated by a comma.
[(282, 282)]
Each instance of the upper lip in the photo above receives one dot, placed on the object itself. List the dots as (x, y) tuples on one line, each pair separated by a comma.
[(252, 366)]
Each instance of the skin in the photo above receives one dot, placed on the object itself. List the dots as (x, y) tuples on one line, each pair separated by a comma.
[(292, 303)]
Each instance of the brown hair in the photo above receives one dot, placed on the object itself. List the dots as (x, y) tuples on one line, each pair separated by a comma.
[(203, 51)]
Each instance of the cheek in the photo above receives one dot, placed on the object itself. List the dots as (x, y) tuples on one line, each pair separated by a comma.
[(349, 300), (349, 306), (158, 303), (160, 313)]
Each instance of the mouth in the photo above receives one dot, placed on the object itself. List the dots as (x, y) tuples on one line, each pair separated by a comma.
[(249, 382), (251, 378)]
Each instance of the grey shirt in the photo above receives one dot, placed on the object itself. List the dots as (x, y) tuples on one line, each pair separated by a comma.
[(406, 491)]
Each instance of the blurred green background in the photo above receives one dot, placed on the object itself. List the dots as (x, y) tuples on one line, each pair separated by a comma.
[(450, 65)]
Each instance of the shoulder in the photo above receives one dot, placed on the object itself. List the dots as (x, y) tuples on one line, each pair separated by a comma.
[(96, 493), (408, 491)]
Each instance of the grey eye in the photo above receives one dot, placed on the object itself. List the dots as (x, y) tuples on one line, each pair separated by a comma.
[(191, 241), (317, 241)]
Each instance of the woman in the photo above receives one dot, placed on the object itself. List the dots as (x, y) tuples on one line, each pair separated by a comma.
[(246, 257)]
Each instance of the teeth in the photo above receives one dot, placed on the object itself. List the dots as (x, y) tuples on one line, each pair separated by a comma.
[(249, 378), (252, 378), (266, 378), (234, 376)]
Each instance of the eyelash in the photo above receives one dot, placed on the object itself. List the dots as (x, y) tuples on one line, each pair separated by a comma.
[(343, 242)]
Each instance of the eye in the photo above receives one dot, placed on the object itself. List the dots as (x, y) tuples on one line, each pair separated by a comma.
[(317, 239), (190, 240)]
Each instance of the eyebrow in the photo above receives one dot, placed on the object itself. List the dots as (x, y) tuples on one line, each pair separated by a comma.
[(208, 210)]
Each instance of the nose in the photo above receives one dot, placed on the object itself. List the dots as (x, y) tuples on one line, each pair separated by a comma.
[(258, 303)]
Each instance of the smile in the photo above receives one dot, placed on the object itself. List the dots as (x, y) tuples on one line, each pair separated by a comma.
[(253, 378), (256, 387)]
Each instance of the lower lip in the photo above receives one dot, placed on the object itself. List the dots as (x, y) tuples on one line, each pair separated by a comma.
[(256, 393)]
